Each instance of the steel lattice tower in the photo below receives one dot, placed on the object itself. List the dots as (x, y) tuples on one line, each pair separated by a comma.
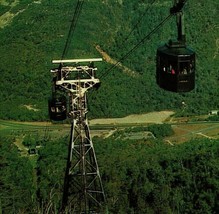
[(83, 190)]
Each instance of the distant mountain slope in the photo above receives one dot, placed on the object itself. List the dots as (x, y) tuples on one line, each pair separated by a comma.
[(34, 32)]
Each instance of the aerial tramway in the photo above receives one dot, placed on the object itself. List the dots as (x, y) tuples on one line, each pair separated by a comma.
[(176, 61), (175, 71)]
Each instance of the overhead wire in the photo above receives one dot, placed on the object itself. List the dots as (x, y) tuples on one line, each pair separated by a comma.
[(136, 46), (73, 26), (74, 23), (133, 49), (136, 24)]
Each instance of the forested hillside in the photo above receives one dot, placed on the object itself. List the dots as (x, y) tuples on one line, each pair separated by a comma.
[(138, 176), (34, 32)]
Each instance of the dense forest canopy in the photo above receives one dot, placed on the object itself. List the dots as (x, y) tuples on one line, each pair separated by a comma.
[(138, 176), (34, 32)]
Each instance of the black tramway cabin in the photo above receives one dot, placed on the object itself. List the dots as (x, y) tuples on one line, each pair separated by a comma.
[(175, 67), (175, 60), (58, 108)]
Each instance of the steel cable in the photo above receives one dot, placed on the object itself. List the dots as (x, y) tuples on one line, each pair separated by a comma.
[(136, 46), (73, 26)]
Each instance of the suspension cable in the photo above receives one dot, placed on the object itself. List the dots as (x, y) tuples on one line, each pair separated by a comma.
[(73, 25), (136, 46), (136, 24)]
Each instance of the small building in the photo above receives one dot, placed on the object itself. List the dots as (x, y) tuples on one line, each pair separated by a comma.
[(32, 151), (214, 112)]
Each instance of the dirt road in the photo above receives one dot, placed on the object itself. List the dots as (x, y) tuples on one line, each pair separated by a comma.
[(116, 63)]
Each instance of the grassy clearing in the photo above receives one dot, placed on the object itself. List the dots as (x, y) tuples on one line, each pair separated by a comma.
[(6, 19), (185, 132), (102, 127)]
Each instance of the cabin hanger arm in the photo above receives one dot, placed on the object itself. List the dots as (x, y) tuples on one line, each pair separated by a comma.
[(177, 10), (178, 5)]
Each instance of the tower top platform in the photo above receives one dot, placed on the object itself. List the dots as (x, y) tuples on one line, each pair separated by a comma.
[(76, 60)]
